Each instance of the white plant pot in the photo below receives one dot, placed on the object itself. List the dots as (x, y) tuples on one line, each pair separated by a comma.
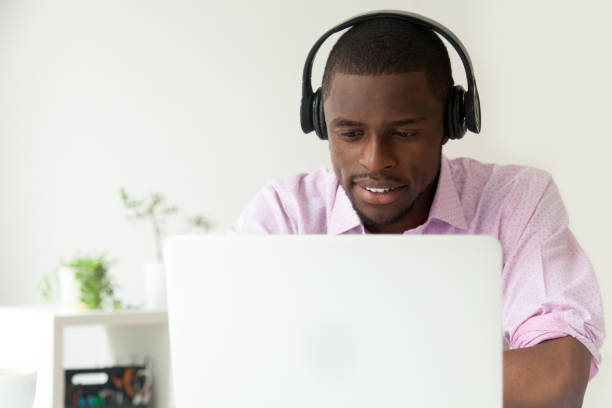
[(17, 388), (69, 288), (155, 286)]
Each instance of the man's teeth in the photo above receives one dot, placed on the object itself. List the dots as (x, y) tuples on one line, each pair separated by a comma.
[(378, 190)]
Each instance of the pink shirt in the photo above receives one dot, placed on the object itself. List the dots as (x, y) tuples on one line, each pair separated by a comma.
[(549, 287)]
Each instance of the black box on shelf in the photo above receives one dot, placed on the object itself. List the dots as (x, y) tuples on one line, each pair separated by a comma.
[(109, 387)]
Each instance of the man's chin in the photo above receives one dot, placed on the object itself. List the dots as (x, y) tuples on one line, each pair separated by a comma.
[(382, 218)]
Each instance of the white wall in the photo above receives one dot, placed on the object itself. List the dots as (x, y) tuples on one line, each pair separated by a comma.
[(199, 101)]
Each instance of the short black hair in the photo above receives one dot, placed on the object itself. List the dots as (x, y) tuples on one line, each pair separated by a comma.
[(390, 46)]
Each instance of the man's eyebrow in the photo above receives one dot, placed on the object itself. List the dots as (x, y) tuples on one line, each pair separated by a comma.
[(409, 121), (346, 122)]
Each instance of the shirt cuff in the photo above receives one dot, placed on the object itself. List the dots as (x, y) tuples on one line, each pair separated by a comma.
[(554, 325)]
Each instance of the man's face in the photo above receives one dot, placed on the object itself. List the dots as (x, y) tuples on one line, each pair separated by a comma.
[(385, 137)]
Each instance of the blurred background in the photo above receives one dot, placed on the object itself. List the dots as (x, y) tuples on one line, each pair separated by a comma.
[(198, 100)]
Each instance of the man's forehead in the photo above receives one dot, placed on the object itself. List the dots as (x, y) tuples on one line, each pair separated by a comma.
[(343, 82), (403, 93)]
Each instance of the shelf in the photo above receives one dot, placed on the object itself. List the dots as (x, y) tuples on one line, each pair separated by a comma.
[(68, 317), (131, 317), (36, 337)]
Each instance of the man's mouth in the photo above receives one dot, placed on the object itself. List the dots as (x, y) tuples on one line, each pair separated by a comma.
[(380, 190), (379, 194)]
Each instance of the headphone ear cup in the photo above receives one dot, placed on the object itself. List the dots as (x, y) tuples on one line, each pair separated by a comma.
[(322, 124), (455, 123), (318, 116)]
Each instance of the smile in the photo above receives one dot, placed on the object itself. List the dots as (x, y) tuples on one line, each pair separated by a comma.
[(379, 190), (380, 195)]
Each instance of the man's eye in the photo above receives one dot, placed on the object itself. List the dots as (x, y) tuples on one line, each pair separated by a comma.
[(405, 135), (349, 134)]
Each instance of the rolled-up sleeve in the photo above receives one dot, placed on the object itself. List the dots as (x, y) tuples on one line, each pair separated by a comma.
[(550, 288)]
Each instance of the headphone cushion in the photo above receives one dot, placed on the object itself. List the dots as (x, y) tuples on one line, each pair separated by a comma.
[(318, 116), (455, 123)]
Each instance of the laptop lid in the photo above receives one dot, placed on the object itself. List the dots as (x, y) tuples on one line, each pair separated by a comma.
[(335, 321)]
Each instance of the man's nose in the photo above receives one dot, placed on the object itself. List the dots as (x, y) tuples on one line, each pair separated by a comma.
[(377, 154)]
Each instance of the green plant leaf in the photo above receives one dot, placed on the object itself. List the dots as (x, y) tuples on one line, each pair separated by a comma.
[(92, 274), (129, 203), (170, 210), (45, 287), (201, 222)]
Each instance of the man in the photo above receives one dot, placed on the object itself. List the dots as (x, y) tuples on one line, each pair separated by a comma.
[(385, 87)]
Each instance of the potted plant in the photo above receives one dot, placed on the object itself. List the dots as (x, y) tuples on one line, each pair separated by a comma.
[(84, 283), (155, 209)]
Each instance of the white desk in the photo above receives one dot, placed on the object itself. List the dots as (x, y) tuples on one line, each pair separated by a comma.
[(33, 336)]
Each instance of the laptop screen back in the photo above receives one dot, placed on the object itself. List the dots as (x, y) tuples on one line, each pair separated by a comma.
[(335, 321)]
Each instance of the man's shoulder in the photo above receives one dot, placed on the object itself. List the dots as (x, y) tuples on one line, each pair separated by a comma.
[(293, 205), (473, 175), (502, 198), (315, 184)]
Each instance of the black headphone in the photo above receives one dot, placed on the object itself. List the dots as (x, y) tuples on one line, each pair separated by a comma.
[(462, 109)]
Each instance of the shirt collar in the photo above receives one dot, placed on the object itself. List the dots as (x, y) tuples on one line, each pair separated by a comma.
[(343, 217), (445, 207)]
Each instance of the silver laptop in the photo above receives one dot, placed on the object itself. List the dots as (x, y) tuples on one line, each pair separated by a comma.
[(335, 321)]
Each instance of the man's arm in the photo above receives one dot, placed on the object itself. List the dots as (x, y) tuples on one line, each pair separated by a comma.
[(550, 292), (551, 374)]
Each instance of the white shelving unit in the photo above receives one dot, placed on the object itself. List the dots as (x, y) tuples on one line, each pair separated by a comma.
[(34, 336)]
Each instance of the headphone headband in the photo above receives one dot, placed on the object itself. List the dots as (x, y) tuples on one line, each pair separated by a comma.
[(472, 101)]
